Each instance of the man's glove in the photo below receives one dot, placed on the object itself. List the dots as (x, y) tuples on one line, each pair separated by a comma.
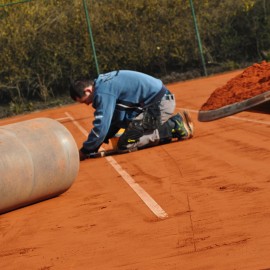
[(84, 154)]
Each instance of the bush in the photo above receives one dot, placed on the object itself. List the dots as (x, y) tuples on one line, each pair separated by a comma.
[(45, 43)]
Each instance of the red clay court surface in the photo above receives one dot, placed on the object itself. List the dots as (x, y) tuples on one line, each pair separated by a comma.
[(198, 204)]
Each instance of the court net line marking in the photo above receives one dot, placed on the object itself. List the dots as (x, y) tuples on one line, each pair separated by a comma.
[(234, 117), (145, 197)]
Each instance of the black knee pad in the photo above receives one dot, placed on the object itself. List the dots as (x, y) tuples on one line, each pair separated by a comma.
[(131, 135)]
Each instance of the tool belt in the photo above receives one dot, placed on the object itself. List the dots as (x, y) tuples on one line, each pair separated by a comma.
[(151, 113), (151, 117)]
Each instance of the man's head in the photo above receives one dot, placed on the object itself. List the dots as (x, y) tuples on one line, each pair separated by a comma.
[(82, 91)]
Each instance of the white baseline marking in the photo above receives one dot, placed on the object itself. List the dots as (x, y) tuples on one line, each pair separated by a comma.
[(249, 120), (195, 111), (235, 118), (62, 119), (145, 197)]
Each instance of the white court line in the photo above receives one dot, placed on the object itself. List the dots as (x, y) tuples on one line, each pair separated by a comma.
[(234, 117), (146, 198), (195, 111), (250, 120), (62, 119)]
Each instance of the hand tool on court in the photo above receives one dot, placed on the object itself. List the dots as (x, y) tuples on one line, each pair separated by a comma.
[(111, 152)]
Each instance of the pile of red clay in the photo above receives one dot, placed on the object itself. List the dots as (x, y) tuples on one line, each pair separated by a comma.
[(253, 81)]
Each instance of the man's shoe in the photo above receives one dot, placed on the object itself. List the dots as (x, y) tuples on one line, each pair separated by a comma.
[(183, 128)]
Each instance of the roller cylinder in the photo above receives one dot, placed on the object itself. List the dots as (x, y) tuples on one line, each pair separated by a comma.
[(38, 160)]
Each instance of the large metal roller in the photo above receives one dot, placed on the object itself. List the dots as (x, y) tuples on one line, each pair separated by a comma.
[(38, 160)]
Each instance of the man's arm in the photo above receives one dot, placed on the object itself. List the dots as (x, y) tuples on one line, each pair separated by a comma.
[(104, 105)]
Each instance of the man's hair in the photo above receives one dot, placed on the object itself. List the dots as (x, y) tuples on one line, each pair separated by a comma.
[(77, 87)]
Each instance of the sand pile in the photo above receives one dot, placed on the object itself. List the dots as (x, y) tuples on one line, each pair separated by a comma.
[(253, 81)]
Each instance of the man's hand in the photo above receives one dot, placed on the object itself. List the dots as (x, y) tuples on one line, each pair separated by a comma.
[(82, 156)]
